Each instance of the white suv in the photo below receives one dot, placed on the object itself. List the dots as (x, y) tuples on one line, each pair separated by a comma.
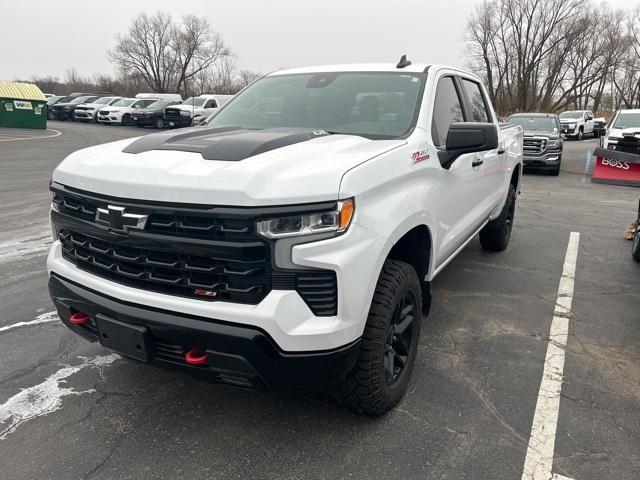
[(121, 111), (292, 240)]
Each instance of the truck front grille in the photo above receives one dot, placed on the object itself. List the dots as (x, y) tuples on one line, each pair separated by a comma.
[(197, 251), (534, 145), (205, 277), (171, 113), (627, 144)]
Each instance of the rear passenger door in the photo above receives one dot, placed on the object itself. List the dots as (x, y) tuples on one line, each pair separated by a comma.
[(492, 173)]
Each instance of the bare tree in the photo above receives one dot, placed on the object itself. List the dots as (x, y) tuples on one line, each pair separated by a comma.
[(147, 50), (168, 54), (546, 54), (197, 49)]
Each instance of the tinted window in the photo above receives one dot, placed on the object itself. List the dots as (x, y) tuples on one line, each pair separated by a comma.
[(477, 104), (446, 111), (627, 120), (546, 124), (373, 105), (211, 104)]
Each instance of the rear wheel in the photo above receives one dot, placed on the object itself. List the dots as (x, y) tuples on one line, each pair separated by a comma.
[(496, 234), (389, 343)]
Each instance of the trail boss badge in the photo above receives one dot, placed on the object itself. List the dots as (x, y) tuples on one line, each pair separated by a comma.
[(420, 156)]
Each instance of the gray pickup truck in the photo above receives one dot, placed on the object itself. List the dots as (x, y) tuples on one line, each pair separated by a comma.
[(543, 140)]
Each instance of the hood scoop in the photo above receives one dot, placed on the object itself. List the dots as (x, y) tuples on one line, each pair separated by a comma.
[(224, 143)]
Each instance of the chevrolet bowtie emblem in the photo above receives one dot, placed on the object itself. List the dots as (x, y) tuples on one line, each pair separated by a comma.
[(117, 220)]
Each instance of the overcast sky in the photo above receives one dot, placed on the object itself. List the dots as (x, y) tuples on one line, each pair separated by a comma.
[(46, 37)]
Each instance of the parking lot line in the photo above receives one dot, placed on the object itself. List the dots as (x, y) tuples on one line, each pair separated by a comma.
[(42, 318), (539, 459), (14, 138)]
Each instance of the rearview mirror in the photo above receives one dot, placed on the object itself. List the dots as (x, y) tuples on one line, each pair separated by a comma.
[(468, 137)]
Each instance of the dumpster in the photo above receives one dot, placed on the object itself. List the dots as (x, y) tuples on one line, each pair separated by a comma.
[(22, 105)]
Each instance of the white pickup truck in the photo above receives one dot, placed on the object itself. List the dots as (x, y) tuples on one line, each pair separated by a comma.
[(291, 241), (182, 115), (577, 123)]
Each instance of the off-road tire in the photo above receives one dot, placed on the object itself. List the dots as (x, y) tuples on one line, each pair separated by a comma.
[(635, 249), (366, 389), (495, 235)]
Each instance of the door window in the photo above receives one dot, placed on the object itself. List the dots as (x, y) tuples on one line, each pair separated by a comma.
[(447, 110), (210, 104), (479, 111)]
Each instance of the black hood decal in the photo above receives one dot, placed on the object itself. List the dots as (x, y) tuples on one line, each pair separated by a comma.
[(224, 143)]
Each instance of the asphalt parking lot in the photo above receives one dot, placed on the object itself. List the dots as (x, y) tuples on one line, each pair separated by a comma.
[(72, 410)]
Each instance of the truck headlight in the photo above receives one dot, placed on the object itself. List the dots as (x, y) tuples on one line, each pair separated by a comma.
[(336, 221), (185, 114), (553, 143)]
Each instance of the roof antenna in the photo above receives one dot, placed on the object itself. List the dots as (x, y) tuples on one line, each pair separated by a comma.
[(403, 62)]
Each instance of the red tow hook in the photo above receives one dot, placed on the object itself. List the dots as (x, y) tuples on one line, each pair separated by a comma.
[(79, 318), (195, 356)]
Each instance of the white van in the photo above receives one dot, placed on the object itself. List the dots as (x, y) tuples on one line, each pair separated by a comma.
[(173, 97)]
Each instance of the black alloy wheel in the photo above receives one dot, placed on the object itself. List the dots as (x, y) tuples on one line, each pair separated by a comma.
[(399, 337)]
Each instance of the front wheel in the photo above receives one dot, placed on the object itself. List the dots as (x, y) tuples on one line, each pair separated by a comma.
[(389, 343), (496, 234), (126, 120), (159, 123), (556, 171), (580, 135)]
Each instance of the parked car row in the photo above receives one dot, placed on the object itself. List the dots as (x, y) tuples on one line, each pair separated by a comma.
[(158, 110)]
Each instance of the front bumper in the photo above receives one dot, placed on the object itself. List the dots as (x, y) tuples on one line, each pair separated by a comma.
[(146, 121), (178, 122), (240, 355), (354, 256), (84, 114), (548, 160), (110, 118)]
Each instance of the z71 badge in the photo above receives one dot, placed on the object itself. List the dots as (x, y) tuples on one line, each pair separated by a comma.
[(420, 156)]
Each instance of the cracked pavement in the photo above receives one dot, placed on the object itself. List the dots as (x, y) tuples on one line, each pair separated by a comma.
[(468, 410)]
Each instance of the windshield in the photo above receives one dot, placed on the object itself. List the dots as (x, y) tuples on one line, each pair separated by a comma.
[(195, 101), (103, 100), (577, 115), (627, 120), (52, 100), (373, 105), (158, 104), (125, 102), (80, 100), (545, 124)]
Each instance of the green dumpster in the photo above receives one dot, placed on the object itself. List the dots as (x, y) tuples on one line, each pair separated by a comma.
[(22, 105)]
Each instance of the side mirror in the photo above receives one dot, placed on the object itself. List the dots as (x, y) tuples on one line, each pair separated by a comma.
[(468, 137)]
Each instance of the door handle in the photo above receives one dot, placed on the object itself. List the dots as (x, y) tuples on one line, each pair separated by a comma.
[(501, 151), (477, 162)]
